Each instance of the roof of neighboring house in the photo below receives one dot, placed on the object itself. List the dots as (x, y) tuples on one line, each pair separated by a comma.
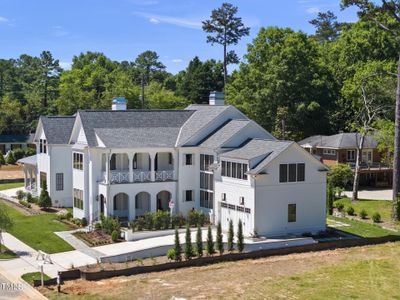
[(219, 137), (203, 115), (29, 160), (138, 137), (16, 138), (57, 128), (138, 124), (254, 148), (338, 141)]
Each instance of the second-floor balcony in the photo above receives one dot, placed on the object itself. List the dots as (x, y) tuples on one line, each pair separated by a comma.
[(138, 168)]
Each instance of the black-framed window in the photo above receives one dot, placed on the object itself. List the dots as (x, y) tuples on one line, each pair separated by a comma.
[(291, 213), (188, 159), (206, 199), (189, 195), (292, 172), (42, 146), (59, 181), (78, 198), (234, 170), (78, 161), (205, 161)]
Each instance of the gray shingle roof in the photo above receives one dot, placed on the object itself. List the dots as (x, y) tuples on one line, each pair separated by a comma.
[(58, 128), (131, 119), (221, 136), (203, 115), (339, 141), (138, 137), (29, 160), (257, 147)]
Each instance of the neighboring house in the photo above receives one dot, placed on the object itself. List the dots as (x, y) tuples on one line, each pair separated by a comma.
[(125, 163), (342, 148), (14, 141)]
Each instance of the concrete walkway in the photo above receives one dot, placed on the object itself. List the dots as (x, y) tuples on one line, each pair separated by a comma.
[(78, 244), (12, 192), (372, 194)]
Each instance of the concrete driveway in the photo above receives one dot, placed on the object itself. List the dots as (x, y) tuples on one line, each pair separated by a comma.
[(372, 194)]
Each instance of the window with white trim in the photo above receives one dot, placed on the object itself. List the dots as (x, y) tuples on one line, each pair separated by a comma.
[(234, 170), (78, 161), (206, 181), (351, 155), (329, 152), (78, 198), (59, 181), (188, 159), (292, 172), (189, 195)]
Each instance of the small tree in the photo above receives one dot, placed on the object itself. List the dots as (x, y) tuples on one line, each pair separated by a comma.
[(177, 247), (44, 198), (10, 159), (219, 242), (188, 244), (231, 235), (2, 160), (6, 223), (240, 244), (199, 242), (210, 243)]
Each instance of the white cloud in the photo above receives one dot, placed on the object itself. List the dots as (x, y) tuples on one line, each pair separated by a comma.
[(313, 10), (154, 20), (177, 60), (65, 65), (3, 20), (181, 22)]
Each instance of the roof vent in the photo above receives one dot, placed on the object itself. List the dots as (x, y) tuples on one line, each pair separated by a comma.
[(216, 98), (119, 103)]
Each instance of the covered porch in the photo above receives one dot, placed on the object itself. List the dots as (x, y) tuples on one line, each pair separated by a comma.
[(29, 165)]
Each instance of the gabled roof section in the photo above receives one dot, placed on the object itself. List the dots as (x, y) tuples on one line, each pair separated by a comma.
[(146, 122), (138, 137), (203, 115), (222, 135), (255, 148), (57, 128), (339, 141)]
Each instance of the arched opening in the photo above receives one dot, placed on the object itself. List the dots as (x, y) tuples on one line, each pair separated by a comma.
[(142, 203), (119, 162), (164, 161), (121, 203), (163, 199), (141, 162)]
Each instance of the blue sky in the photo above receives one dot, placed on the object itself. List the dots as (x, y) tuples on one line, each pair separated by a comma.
[(124, 28)]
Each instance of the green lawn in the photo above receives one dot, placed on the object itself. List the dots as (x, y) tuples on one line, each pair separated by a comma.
[(363, 229), (371, 206), (38, 231), (6, 254), (30, 277), (6, 186)]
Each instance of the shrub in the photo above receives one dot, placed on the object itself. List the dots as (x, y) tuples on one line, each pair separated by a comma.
[(29, 198), (230, 236), (340, 175), (148, 221), (330, 195), (188, 244), (10, 159), (363, 214), (114, 236), (350, 211), (44, 198), (376, 217), (219, 242), (209, 243), (171, 254), (30, 151), (18, 154), (68, 215), (339, 206), (199, 242), (97, 226), (240, 242), (21, 195), (24, 203), (109, 224), (177, 220), (196, 217), (76, 221), (177, 247), (84, 222)]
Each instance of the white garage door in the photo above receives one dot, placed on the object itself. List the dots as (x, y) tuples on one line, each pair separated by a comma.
[(230, 212)]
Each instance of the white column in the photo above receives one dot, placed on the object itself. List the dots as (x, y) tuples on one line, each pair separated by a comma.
[(152, 166), (25, 177), (30, 177), (107, 168), (130, 158)]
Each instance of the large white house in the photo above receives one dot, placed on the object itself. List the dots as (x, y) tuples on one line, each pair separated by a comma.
[(212, 158)]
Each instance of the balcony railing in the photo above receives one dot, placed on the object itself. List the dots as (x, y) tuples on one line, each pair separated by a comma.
[(370, 166), (164, 175), (139, 176)]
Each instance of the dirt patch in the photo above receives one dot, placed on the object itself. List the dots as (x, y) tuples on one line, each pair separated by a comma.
[(11, 172), (223, 280)]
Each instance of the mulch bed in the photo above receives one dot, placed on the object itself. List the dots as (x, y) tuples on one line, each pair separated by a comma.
[(94, 238)]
